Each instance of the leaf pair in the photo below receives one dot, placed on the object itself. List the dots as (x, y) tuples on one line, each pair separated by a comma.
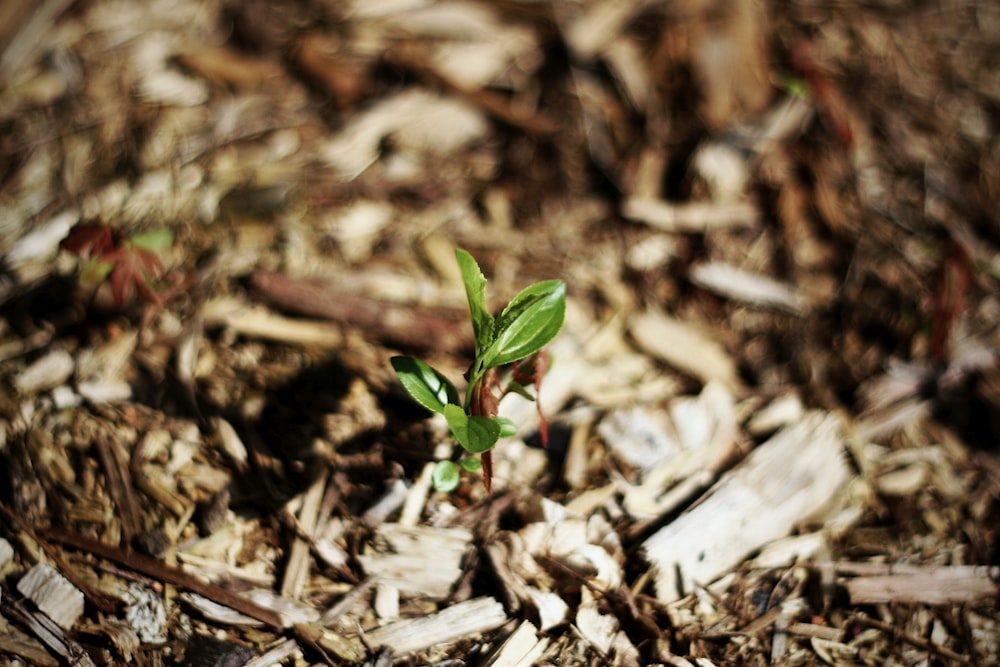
[(428, 387), (529, 322)]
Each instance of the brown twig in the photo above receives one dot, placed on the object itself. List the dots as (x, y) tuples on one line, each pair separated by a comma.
[(428, 327), (171, 575), (98, 598)]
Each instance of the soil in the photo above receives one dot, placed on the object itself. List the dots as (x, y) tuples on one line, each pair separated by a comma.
[(773, 408)]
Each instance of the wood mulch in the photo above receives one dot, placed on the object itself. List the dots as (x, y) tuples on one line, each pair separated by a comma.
[(774, 408)]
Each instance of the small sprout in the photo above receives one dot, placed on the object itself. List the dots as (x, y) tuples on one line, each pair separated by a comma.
[(128, 264), (514, 338)]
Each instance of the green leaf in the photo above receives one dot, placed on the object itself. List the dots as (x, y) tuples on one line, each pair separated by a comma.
[(528, 323), (475, 290), (154, 240), (445, 476), (427, 386), (517, 388), (476, 434), (507, 427), (471, 464)]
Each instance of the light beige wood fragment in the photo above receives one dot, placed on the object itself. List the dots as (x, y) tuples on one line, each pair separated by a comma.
[(297, 567), (692, 216), (684, 347), (257, 321), (386, 602), (413, 507), (750, 288), (51, 592), (795, 548), (13, 642), (418, 560), (522, 649), (42, 242), (779, 485), (779, 412), (47, 372), (450, 624), (276, 655), (6, 552), (291, 612), (956, 584), (420, 121)]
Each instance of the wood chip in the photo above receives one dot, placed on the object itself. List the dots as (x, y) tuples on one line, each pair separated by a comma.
[(749, 288), (455, 622), (955, 584), (691, 217), (418, 560), (47, 372), (53, 594), (522, 649), (684, 347), (259, 322), (780, 484)]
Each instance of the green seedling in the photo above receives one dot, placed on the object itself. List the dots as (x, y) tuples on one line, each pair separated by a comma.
[(514, 338), (127, 263)]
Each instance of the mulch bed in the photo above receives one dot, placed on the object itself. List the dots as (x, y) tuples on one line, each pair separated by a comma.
[(773, 409)]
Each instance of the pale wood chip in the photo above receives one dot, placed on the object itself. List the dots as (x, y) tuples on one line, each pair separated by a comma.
[(276, 655), (453, 623), (53, 594), (257, 321), (522, 649), (42, 242), (750, 288), (780, 484), (46, 372), (299, 559), (691, 217), (956, 584), (418, 560), (684, 346)]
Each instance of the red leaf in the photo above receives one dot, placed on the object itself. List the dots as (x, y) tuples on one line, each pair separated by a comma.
[(89, 241)]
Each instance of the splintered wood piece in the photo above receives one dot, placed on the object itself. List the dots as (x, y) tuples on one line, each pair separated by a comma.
[(437, 328), (258, 322), (750, 288), (53, 594), (418, 560), (297, 569), (684, 347), (276, 655), (47, 372), (13, 642), (693, 216), (780, 484), (119, 485), (955, 584), (453, 623), (48, 632), (171, 575), (522, 649)]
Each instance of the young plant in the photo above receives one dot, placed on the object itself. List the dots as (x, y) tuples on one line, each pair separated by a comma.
[(128, 264), (514, 338)]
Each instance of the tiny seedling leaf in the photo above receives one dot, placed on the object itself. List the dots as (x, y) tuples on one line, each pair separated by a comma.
[(476, 434), (445, 476), (507, 427), (154, 240), (528, 323), (475, 290), (427, 386), (471, 464)]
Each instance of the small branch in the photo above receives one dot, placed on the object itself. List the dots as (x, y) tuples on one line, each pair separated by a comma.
[(424, 328), (171, 575)]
